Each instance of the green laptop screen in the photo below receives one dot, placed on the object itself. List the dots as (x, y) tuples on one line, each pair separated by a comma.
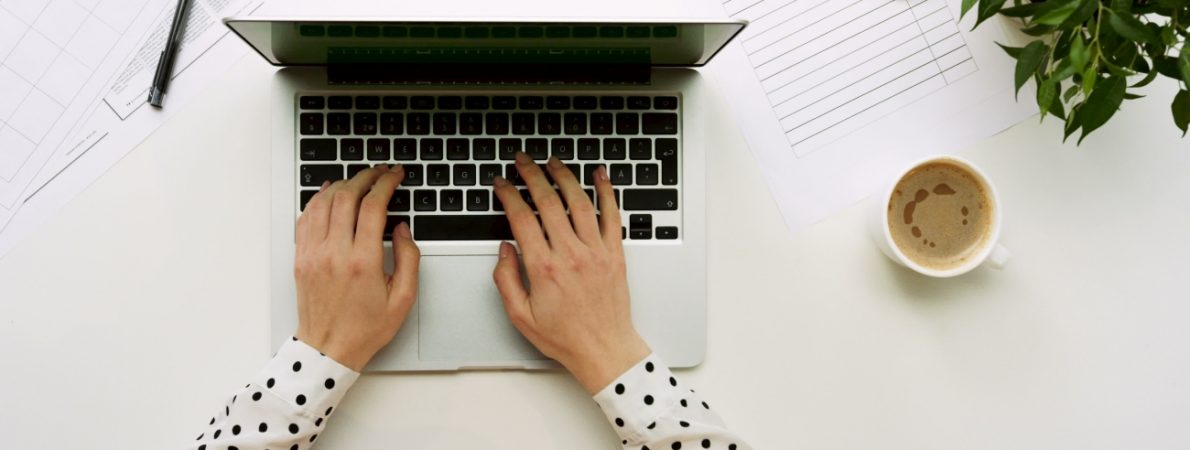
[(346, 42)]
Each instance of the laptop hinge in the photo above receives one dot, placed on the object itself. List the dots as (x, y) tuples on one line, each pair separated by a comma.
[(488, 74)]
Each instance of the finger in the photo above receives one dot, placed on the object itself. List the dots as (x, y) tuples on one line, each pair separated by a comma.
[(318, 212), (302, 230), (373, 212), (507, 276), (582, 212), (406, 263), (609, 212), (549, 205), (524, 224), (345, 205)]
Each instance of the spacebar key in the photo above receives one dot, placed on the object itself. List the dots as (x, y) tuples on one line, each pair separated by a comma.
[(461, 228)]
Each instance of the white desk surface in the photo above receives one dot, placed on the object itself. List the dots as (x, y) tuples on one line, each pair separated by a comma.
[(130, 315)]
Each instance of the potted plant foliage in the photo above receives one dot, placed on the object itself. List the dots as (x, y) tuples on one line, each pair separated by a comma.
[(1090, 55)]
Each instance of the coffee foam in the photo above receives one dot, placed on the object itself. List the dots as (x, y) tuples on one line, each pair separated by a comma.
[(939, 215)]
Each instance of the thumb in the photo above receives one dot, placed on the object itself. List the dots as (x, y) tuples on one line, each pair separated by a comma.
[(406, 260), (508, 280)]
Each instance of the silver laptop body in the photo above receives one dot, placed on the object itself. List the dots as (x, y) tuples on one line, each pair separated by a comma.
[(453, 100)]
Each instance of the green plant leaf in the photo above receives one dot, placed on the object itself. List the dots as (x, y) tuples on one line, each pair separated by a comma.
[(1122, 6), (1069, 94), (1184, 63), (1101, 105), (1047, 98), (987, 9), (1057, 16), (1025, 10), (1014, 52), (1131, 28), (1028, 62), (1079, 54), (1167, 66), (967, 4), (1073, 122), (1090, 76), (1181, 110), (1149, 77), (1086, 9)]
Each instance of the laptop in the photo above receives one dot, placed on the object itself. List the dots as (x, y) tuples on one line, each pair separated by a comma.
[(453, 100)]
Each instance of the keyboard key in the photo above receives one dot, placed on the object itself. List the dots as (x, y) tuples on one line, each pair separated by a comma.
[(646, 174), (414, 175), (367, 102), (537, 149), (508, 148), (562, 148), (392, 123), (351, 149), (488, 173), (425, 200), (614, 149), (531, 102), (665, 103), (485, 149), (557, 102), (450, 102), (310, 123), (549, 123), (464, 174), (430, 149), (477, 200), (452, 200), (588, 149), (667, 233), (404, 149), (667, 152), (660, 123), (576, 123), (620, 174), (437, 175), (497, 123), (417, 124), (458, 149), (640, 149), (318, 149), (338, 124), (611, 102), (512, 175), (589, 173), (390, 224), (575, 169), (400, 201), (470, 124), (304, 199), (585, 102), (638, 102), (421, 102), (487, 227), (365, 123), (396, 102), (311, 102), (640, 226), (476, 102), (642, 233), (601, 123), (522, 123), (314, 175), (354, 169), (503, 102), (378, 149), (445, 123), (627, 123), (650, 199), (340, 102)]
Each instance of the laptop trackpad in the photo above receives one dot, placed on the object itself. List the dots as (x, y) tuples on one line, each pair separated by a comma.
[(461, 316)]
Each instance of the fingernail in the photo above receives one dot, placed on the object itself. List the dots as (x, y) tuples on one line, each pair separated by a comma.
[(403, 230), (500, 181), (555, 162), (601, 173), (505, 249), (325, 184)]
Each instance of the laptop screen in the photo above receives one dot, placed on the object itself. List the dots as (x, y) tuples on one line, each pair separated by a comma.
[(300, 42)]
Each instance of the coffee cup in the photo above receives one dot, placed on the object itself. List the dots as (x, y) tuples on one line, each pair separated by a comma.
[(940, 216)]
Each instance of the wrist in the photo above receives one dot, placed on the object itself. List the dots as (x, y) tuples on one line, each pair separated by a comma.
[(597, 368), (352, 356)]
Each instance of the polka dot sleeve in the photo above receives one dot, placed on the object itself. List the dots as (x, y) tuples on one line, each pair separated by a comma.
[(652, 410), (284, 407)]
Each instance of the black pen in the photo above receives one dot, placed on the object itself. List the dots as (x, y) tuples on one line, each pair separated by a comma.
[(165, 65)]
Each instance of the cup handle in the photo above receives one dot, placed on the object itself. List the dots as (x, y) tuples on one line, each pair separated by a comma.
[(999, 257)]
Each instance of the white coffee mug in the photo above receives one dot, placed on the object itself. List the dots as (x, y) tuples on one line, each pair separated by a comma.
[(992, 252)]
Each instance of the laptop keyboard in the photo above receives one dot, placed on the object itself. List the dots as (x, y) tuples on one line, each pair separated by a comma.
[(453, 147)]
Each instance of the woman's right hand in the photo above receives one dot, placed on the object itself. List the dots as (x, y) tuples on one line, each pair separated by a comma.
[(576, 310)]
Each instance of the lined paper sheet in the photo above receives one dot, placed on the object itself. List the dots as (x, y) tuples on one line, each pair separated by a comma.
[(833, 94)]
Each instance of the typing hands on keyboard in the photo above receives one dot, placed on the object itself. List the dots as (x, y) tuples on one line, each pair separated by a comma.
[(453, 148)]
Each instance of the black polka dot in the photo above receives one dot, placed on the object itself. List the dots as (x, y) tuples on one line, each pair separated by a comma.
[(648, 399), (297, 366), (318, 422), (256, 397), (212, 421), (624, 442), (263, 427), (645, 447), (269, 384), (731, 447), (676, 445), (649, 366), (619, 422), (619, 388), (234, 397), (673, 381), (226, 410), (301, 399), (199, 438), (652, 425), (235, 430), (202, 447), (217, 433), (328, 410), (233, 448), (684, 424), (312, 438), (683, 403), (293, 447), (330, 383), (706, 443), (293, 428), (705, 405)]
